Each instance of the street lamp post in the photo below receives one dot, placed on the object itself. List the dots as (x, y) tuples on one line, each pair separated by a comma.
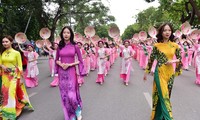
[(28, 22)]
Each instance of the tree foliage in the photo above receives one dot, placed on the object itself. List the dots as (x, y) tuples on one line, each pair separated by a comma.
[(53, 14), (173, 11), (182, 10), (130, 31), (14, 17)]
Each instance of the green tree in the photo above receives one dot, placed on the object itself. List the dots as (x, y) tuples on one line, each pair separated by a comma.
[(97, 17), (130, 31), (102, 31), (15, 15), (153, 17), (80, 13), (186, 10)]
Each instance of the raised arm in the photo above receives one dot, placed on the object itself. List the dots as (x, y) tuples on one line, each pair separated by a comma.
[(45, 49), (21, 48)]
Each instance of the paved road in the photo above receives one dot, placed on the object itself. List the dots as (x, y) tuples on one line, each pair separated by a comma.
[(113, 100)]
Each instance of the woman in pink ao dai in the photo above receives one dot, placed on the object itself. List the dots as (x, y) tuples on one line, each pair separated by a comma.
[(126, 65)]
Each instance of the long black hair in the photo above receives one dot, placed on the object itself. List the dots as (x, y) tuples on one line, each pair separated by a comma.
[(86, 48), (10, 39), (106, 43), (62, 42), (160, 31)]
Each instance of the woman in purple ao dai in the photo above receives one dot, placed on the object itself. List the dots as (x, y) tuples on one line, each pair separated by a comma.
[(65, 67)]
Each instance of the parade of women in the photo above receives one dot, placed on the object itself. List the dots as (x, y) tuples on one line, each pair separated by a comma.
[(87, 71)]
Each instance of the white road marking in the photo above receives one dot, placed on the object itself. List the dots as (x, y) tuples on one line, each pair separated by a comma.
[(148, 98), (32, 94)]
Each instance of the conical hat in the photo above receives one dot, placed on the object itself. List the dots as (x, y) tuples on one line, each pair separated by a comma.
[(178, 33), (95, 38), (142, 35), (195, 34), (136, 37), (47, 43), (185, 28), (39, 43), (57, 40), (89, 31), (87, 40), (45, 33), (77, 36), (20, 38), (152, 32), (114, 32)]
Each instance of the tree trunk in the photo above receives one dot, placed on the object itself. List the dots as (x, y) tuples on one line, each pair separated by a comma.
[(51, 39), (197, 11), (192, 17)]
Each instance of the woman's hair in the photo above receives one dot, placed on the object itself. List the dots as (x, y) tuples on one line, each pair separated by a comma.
[(31, 46), (126, 41), (183, 36), (160, 31), (142, 43), (10, 39), (100, 42), (86, 48), (62, 42), (92, 44), (106, 43), (188, 44)]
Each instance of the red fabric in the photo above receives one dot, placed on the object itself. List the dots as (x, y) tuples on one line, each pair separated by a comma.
[(120, 54), (123, 76), (25, 60)]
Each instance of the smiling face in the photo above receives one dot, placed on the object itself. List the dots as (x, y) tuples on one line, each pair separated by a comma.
[(166, 32), (185, 43), (30, 48), (101, 44), (79, 45), (66, 34), (86, 45), (126, 44), (6, 43)]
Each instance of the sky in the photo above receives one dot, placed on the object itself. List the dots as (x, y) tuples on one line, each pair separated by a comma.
[(125, 11)]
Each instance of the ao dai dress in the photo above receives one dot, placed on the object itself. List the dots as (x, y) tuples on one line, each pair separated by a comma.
[(163, 78), (101, 63), (32, 69), (14, 92), (126, 64), (68, 84), (197, 67)]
